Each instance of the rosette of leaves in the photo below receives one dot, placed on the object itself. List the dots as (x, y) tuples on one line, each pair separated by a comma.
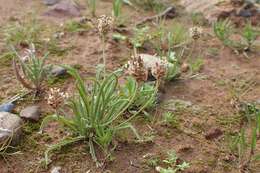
[(31, 70), (97, 113)]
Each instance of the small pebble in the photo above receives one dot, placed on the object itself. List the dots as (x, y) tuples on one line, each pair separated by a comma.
[(245, 13), (64, 8), (6, 107), (31, 113), (58, 71)]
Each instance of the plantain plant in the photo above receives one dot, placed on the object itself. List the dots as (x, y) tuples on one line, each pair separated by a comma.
[(33, 69), (245, 144), (249, 36), (223, 30), (97, 114)]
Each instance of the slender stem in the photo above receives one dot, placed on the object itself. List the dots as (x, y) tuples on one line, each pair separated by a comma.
[(103, 51), (135, 52), (192, 48)]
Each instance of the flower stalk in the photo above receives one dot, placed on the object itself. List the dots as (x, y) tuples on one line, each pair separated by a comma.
[(104, 25)]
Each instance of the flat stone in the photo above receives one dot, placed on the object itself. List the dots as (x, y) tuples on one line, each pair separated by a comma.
[(65, 8), (245, 13), (10, 127), (210, 9), (31, 113), (150, 61), (6, 107), (58, 71), (50, 2)]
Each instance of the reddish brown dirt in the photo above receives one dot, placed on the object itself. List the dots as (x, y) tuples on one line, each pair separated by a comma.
[(210, 92)]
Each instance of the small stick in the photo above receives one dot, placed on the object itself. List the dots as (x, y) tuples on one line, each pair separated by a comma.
[(17, 97), (162, 14)]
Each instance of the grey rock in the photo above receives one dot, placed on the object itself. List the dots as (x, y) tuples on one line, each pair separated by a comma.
[(6, 107), (245, 13), (150, 61), (10, 127), (31, 113), (258, 101), (65, 8), (58, 71), (209, 9), (50, 2)]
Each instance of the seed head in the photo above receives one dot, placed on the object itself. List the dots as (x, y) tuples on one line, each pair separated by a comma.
[(56, 97), (196, 32), (104, 24), (135, 67), (159, 71)]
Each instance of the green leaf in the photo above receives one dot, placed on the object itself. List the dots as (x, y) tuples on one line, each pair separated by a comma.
[(254, 139)]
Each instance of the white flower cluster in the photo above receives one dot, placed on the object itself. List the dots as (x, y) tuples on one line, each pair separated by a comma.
[(104, 24), (159, 70), (196, 32), (136, 62), (140, 67), (56, 97), (136, 68)]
